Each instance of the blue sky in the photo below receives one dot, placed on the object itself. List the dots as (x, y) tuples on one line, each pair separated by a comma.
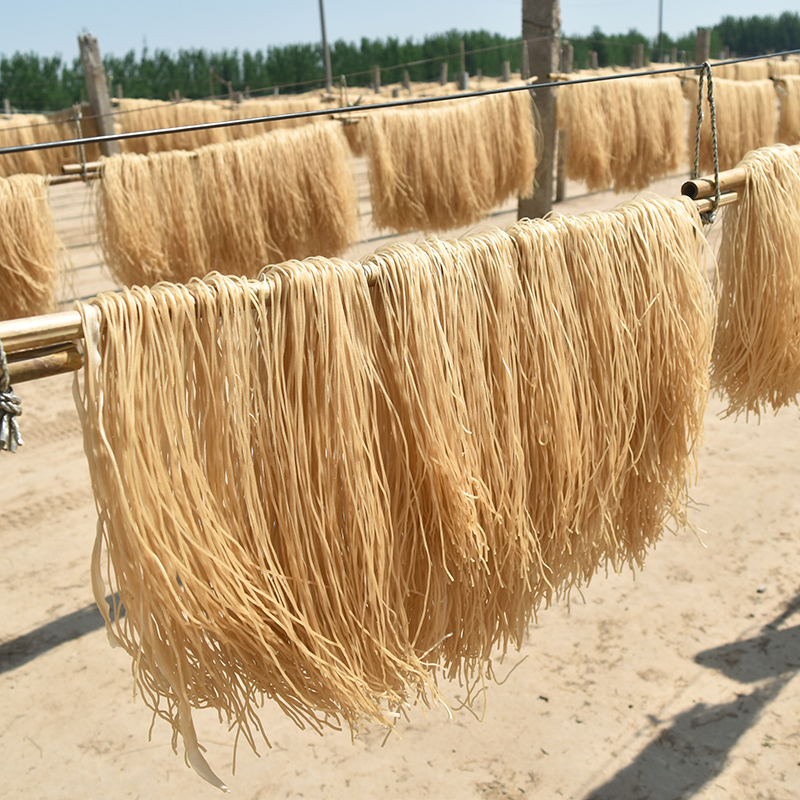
[(52, 26)]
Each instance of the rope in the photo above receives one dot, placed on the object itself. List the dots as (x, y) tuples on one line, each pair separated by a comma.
[(10, 409), (709, 216)]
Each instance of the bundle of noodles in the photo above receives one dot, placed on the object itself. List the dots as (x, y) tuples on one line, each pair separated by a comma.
[(28, 248), (789, 121), (757, 356), (617, 386), (743, 71), (135, 114), (231, 207), (438, 168), (623, 133), (426, 446), (272, 108), (747, 118), (778, 69)]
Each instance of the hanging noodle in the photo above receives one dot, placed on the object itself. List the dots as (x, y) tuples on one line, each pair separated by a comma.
[(29, 248), (231, 207), (757, 359), (623, 133), (438, 168), (337, 482)]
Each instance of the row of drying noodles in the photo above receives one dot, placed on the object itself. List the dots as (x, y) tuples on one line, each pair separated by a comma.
[(236, 206), (26, 129), (429, 445), (624, 134), (142, 115), (134, 114), (31, 256)]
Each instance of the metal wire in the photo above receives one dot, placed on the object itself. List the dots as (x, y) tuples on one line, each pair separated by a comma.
[(413, 101)]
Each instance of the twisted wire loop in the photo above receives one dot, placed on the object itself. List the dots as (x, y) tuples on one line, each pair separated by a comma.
[(709, 216), (10, 409)]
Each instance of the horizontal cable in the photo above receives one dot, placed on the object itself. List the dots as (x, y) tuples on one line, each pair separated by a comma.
[(413, 101)]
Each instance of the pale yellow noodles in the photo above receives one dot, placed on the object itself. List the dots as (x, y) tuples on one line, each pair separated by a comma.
[(789, 123), (332, 484), (231, 207), (623, 133), (757, 359), (747, 117), (436, 168), (29, 248)]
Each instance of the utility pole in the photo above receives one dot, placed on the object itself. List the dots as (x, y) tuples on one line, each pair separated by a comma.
[(541, 22), (325, 52), (97, 88), (660, 31)]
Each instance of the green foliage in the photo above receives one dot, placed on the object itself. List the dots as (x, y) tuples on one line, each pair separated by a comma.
[(35, 83), (753, 36)]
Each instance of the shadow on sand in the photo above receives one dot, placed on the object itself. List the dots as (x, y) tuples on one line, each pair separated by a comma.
[(693, 750), (19, 651)]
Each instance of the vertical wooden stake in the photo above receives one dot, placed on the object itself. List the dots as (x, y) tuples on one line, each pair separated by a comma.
[(376, 79), (506, 71), (567, 57), (561, 167), (97, 90), (702, 47), (638, 56), (443, 74), (406, 81), (541, 20), (6, 106), (593, 59)]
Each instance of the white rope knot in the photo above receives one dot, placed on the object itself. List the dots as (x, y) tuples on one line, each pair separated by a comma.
[(10, 409)]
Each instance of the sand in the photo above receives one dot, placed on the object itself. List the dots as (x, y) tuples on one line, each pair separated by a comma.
[(678, 682)]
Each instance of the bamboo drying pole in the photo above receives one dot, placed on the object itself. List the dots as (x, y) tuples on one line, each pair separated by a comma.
[(730, 180)]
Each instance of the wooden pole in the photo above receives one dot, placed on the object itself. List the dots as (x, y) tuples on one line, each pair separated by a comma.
[(702, 48), (6, 106), (326, 53), (376, 79), (561, 167), (542, 18), (406, 81), (704, 187), (506, 71), (593, 59), (567, 57), (443, 74), (638, 56), (97, 90)]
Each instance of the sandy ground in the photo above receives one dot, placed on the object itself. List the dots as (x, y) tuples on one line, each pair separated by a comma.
[(679, 682)]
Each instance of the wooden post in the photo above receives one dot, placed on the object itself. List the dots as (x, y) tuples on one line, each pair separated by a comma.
[(542, 18), (506, 71), (376, 79), (673, 55), (524, 64), (97, 90), (561, 167), (177, 95), (326, 53), (463, 81), (443, 74), (276, 91), (119, 91), (406, 81), (567, 56), (6, 106), (247, 92), (463, 58), (593, 59), (702, 47), (638, 56)]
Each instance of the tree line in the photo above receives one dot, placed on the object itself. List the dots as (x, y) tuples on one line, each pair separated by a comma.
[(35, 83)]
